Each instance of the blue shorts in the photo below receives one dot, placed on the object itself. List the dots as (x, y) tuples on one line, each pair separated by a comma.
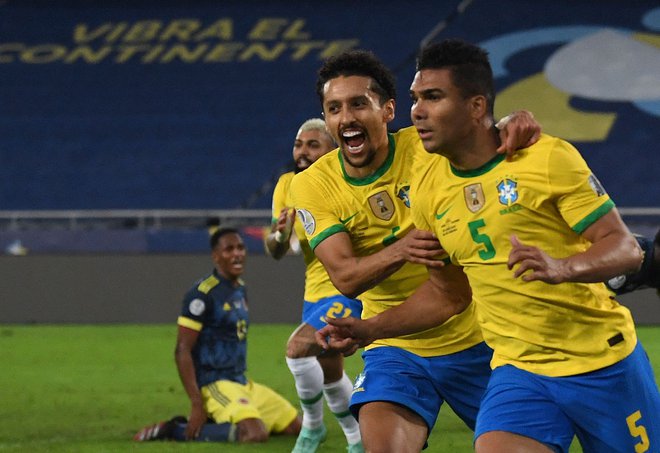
[(616, 408), (422, 384), (315, 313)]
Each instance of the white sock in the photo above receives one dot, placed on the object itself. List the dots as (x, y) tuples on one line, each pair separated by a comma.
[(338, 395), (308, 376)]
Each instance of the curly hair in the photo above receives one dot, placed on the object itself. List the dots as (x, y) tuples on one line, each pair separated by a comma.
[(358, 63)]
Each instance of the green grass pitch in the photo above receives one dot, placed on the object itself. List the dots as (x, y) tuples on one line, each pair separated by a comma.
[(90, 388)]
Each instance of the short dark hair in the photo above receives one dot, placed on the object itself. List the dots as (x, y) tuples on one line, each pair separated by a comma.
[(358, 63), (217, 234), (469, 66)]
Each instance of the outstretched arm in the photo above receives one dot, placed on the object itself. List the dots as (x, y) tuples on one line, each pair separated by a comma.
[(446, 293), (185, 342), (352, 274)]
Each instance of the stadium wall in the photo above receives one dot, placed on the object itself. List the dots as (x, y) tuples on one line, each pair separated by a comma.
[(140, 289), (135, 288)]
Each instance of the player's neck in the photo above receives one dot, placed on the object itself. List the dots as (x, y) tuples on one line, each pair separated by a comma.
[(475, 151), (233, 280)]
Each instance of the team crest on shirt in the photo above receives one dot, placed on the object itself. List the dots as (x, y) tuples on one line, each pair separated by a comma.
[(474, 197), (507, 191), (307, 220), (382, 205), (596, 186), (402, 194)]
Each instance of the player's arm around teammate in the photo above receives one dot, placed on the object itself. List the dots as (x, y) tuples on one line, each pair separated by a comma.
[(445, 294), (353, 274)]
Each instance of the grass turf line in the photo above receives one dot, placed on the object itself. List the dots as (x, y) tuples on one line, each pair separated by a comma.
[(68, 388)]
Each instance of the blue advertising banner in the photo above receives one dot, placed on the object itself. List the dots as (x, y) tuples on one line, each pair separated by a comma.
[(163, 104), (157, 104)]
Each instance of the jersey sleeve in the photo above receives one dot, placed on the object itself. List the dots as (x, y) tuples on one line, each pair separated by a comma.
[(315, 209), (580, 197), (194, 310)]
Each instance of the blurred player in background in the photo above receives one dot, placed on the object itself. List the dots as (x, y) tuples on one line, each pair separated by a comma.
[(210, 354), (316, 374), (354, 207)]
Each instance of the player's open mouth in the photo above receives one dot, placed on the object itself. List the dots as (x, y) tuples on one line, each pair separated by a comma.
[(354, 140), (303, 163), (424, 133)]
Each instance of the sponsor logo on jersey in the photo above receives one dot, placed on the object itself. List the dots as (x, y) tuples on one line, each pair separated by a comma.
[(507, 190), (307, 220), (382, 205), (440, 215), (347, 219), (474, 197), (196, 307)]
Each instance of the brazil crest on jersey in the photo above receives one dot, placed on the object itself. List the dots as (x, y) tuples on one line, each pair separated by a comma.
[(317, 282), (375, 212), (546, 197), (219, 312)]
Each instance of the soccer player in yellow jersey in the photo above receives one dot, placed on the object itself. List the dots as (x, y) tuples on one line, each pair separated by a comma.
[(534, 237), (353, 204), (316, 374)]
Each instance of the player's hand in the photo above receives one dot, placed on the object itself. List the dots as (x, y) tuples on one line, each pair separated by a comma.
[(420, 247), (195, 422), (518, 130), (534, 264), (284, 224), (345, 335)]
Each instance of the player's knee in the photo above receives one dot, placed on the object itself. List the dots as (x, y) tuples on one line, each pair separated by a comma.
[(294, 349), (300, 346)]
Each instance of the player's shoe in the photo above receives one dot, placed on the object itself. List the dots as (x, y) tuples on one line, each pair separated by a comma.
[(159, 431), (355, 448), (309, 439)]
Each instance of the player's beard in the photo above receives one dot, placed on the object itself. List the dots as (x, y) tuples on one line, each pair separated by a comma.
[(298, 169), (368, 159)]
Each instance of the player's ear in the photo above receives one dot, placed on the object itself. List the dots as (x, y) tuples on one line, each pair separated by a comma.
[(478, 106), (388, 110)]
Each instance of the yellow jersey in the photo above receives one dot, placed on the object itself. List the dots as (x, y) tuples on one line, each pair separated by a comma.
[(317, 281), (547, 196), (375, 212)]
